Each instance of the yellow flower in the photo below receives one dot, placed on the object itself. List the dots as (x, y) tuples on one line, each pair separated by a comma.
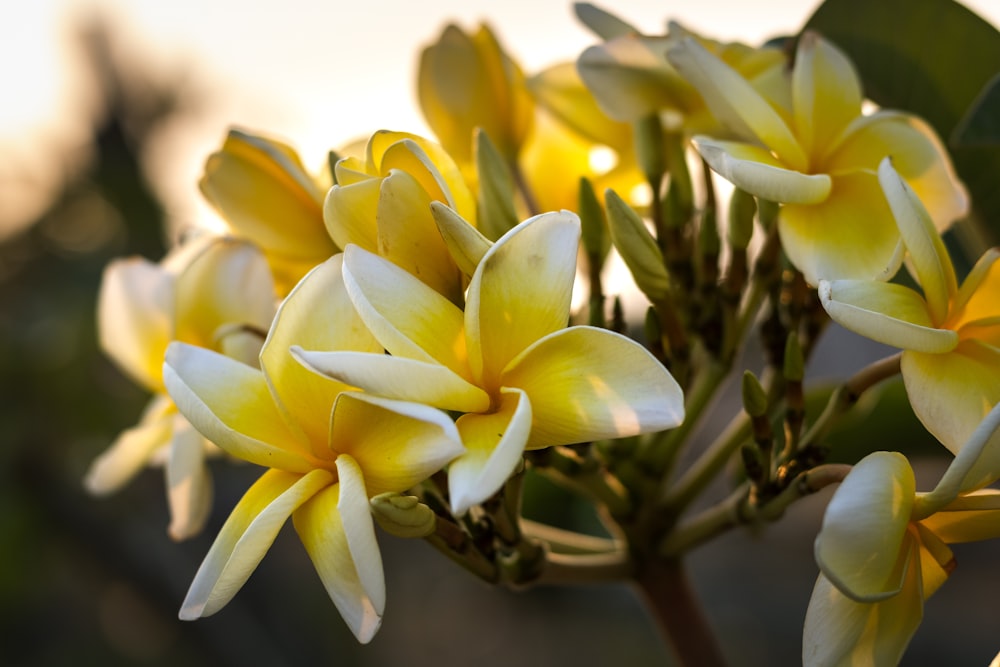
[(208, 292), (467, 81), (882, 552), (818, 154), (950, 335), (523, 379), (383, 205), (326, 451), (264, 193)]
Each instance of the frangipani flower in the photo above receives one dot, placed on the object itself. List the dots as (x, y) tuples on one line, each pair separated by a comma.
[(818, 156), (326, 452), (883, 550), (468, 81), (383, 205), (216, 292), (950, 335), (523, 379), (264, 193), (631, 78)]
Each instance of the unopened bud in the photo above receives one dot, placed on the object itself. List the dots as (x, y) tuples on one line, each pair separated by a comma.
[(754, 396), (637, 247), (403, 516), (795, 363), (742, 209), (496, 189)]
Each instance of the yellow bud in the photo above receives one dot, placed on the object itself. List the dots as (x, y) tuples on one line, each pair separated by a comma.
[(403, 516)]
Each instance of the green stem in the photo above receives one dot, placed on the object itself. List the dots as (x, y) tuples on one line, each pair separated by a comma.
[(571, 569), (568, 542)]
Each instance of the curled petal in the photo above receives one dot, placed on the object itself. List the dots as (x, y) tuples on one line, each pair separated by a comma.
[(398, 444), (350, 211), (465, 243), (521, 291), (246, 536), (494, 444), (398, 378), (189, 486), (230, 404), (756, 171), (590, 384), (860, 546), (885, 312)]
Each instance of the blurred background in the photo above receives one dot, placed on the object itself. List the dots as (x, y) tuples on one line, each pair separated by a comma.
[(109, 110)]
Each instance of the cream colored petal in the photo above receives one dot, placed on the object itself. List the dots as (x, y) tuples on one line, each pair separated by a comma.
[(135, 318), (230, 404), (406, 316), (590, 384), (860, 544), (246, 536), (844, 633), (927, 251), (351, 170), (826, 92), (318, 314), (976, 300), (735, 103), (851, 234), (956, 478), (494, 445), (349, 213), (398, 378), (409, 238), (631, 79), (917, 154), (951, 394), (397, 444), (756, 171), (132, 449), (562, 92), (520, 292), (465, 243), (885, 312), (227, 284), (189, 484), (969, 518), (359, 527), (323, 531)]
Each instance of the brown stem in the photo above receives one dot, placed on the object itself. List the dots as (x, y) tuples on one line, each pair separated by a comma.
[(668, 595)]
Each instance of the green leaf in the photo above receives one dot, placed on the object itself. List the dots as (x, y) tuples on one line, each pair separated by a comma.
[(981, 125), (932, 58)]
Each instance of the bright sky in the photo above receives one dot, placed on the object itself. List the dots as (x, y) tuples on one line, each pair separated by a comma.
[(315, 72)]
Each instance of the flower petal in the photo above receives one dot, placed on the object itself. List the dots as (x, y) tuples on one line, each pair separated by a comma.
[(189, 486), (976, 300), (851, 234), (398, 444), (860, 545), (230, 404), (359, 527), (134, 318), (885, 312), (957, 478), (602, 23), (969, 518), (321, 527), (317, 314), (589, 384), (735, 103), (398, 378), (465, 243), (246, 536), (826, 93), (349, 213), (406, 316), (494, 444), (520, 292), (755, 170), (930, 257), (132, 449)]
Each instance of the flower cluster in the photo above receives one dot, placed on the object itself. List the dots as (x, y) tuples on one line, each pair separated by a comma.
[(395, 341)]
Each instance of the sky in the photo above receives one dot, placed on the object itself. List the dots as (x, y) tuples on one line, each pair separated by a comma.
[(316, 73)]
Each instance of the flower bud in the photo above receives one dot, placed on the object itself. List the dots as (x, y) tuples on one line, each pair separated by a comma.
[(637, 247), (403, 516)]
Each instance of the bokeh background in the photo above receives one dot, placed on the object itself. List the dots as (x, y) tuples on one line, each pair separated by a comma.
[(108, 110)]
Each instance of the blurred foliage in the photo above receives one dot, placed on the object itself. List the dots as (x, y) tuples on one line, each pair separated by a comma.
[(934, 58)]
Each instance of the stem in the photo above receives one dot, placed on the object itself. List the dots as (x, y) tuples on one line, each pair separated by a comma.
[(569, 569), (671, 601), (562, 541)]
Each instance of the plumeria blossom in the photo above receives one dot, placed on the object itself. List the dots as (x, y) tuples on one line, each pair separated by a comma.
[(883, 550), (467, 81), (212, 291), (382, 203), (813, 150), (950, 335), (508, 361), (264, 193), (326, 451)]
